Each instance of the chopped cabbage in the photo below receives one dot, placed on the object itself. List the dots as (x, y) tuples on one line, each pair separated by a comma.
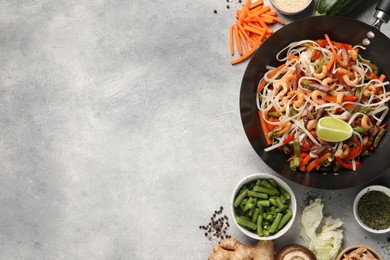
[(322, 235)]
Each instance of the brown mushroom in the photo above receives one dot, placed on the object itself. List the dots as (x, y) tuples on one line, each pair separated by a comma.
[(295, 252)]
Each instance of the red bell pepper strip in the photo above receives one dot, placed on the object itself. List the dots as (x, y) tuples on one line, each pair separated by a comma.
[(350, 98), (346, 165), (355, 151), (288, 138)]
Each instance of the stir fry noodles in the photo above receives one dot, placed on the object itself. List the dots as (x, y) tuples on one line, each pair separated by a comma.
[(317, 80)]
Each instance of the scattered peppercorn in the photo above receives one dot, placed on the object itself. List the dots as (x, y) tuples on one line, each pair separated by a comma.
[(215, 11), (217, 229)]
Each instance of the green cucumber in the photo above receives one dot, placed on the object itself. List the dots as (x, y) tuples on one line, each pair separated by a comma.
[(334, 7)]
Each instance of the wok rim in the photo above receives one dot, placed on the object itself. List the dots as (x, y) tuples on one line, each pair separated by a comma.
[(254, 71)]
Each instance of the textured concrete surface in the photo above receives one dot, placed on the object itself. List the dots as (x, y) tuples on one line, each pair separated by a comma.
[(120, 130)]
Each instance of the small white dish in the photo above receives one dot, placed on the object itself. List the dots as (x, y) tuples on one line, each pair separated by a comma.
[(290, 7), (355, 206), (281, 183)]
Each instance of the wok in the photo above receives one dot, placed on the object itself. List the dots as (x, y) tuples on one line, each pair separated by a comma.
[(339, 28)]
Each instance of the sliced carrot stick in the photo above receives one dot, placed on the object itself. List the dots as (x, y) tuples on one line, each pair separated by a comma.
[(243, 41), (338, 59), (271, 13), (304, 162), (243, 57), (292, 57), (259, 11), (331, 63), (245, 34), (245, 9), (254, 29), (237, 38), (231, 39), (264, 128), (316, 162), (256, 4), (272, 18)]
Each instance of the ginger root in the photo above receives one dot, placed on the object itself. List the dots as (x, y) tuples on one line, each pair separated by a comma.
[(232, 249)]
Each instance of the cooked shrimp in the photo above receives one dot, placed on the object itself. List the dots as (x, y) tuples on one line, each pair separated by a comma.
[(315, 97), (311, 124), (322, 74), (349, 82), (365, 140), (339, 98), (282, 128), (282, 105), (280, 88), (300, 97), (366, 122), (289, 79), (343, 152), (327, 82), (353, 54), (369, 90)]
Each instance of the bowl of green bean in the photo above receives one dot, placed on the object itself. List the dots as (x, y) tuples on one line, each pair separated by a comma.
[(263, 206)]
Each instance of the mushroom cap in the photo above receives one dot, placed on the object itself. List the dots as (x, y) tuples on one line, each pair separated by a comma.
[(295, 250)]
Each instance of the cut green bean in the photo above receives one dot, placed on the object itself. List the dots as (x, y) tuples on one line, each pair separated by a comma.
[(257, 194), (379, 137), (285, 194), (240, 198), (264, 203), (260, 226), (283, 209), (272, 200), (286, 217), (252, 209), (273, 183), (261, 208), (273, 114), (279, 202), (267, 184), (246, 223), (255, 215), (360, 129), (248, 204), (275, 223), (365, 110), (266, 190), (270, 217)]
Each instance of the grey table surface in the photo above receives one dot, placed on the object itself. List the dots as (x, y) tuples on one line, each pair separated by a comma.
[(120, 131)]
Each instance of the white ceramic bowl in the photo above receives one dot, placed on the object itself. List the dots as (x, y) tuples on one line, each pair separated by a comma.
[(356, 201), (283, 8), (281, 183)]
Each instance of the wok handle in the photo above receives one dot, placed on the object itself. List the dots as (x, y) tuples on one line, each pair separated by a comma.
[(382, 13)]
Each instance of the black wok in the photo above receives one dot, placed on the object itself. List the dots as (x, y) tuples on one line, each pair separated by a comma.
[(342, 29)]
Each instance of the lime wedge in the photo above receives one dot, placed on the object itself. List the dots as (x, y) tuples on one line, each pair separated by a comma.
[(333, 130)]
